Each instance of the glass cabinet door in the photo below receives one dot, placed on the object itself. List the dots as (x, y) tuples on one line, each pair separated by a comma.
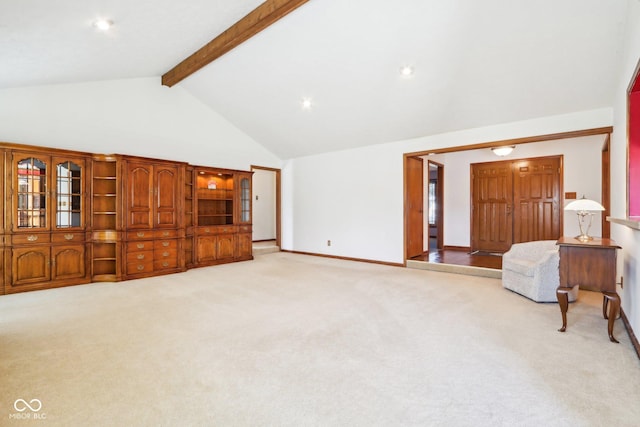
[(245, 200), (31, 193), (68, 195)]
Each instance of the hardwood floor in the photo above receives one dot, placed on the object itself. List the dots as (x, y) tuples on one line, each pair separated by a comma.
[(457, 257)]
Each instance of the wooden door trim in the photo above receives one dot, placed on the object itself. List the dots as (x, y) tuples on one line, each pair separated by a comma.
[(516, 141), (278, 173), (606, 186)]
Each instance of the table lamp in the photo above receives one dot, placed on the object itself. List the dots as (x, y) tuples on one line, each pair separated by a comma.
[(584, 208)]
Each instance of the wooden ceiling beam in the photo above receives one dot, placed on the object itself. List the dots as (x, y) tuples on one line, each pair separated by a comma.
[(257, 20)]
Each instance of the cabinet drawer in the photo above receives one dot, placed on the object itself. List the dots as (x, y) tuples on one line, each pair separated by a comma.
[(217, 229), (245, 229), (140, 267), (18, 239), (145, 245), (165, 263), (140, 235), (165, 234), (67, 237), (165, 253), (160, 245), (139, 256)]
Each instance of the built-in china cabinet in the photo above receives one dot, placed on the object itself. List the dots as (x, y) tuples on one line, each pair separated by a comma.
[(46, 208), (70, 217), (222, 210)]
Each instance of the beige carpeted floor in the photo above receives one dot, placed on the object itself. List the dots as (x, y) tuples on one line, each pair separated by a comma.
[(293, 340)]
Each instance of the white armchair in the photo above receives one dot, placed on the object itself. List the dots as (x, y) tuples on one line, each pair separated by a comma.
[(531, 269)]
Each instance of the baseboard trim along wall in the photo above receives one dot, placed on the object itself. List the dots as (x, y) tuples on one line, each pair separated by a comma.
[(392, 264), (632, 336), (458, 248)]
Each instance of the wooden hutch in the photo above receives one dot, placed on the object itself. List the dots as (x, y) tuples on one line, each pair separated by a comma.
[(71, 217)]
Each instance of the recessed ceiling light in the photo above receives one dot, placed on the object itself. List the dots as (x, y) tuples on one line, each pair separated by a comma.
[(306, 103), (406, 71), (103, 24)]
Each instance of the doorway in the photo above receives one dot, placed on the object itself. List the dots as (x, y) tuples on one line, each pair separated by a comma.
[(515, 201), (266, 205), (435, 206)]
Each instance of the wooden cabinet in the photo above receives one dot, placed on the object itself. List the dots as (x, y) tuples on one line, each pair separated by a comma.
[(106, 220), (245, 235), (70, 217), (154, 224), (47, 242), (222, 216), (189, 204)]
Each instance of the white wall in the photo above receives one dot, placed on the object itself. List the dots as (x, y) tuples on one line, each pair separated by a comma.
[(355, 197), (629, 239), (582, 174), (264, 205), (133, 116)]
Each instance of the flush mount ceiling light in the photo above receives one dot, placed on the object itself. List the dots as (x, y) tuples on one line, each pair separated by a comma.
[(406, 71), (503, 151), (103, 24), (306, 103)]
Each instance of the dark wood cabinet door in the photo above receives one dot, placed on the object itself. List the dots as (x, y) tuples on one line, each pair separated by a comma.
[(244, 245), (68, 262), (30, 265), (69, 206), (166, 190), (31, 191), (206, 249), (139, 195), (226, 246)]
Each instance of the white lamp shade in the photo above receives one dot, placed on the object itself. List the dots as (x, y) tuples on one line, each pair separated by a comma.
[(583, 204)]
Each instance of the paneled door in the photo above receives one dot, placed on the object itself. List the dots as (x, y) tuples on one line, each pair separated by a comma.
[(414, 206), (515, 201), (536, 199), (139, 195), (491, 203)]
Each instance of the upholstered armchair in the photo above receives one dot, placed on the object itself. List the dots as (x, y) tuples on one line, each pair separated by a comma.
[(531, 269)]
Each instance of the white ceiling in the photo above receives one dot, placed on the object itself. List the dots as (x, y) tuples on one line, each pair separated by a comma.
[(477, 62)]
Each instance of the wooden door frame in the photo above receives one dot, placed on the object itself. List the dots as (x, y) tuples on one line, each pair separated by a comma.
[(606, 186), (278, 200)]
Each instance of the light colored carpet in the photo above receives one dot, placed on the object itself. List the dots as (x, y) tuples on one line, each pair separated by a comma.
[(294, 340)]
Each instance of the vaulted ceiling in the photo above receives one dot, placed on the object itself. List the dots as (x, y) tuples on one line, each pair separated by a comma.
[(475, 62)]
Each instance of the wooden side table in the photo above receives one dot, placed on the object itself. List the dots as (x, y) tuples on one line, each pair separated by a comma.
[(591, 263)]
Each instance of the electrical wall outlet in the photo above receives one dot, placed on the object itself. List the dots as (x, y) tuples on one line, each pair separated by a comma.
[(328, 242)]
